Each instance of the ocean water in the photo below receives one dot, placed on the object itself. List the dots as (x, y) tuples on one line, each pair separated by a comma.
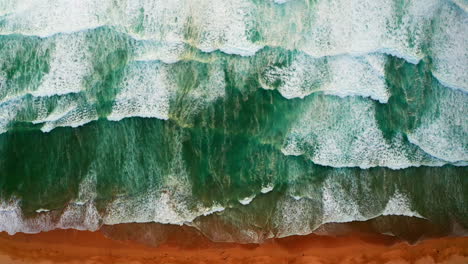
[(245, 119)]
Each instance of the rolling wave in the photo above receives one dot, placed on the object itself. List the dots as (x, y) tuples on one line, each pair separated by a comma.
[(244, 27), (333, 202), (266, 118), (332, 132)]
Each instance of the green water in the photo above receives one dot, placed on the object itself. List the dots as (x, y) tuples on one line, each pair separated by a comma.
[(269, 122)]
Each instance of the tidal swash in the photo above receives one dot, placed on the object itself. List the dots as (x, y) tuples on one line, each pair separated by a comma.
[(245, 119)]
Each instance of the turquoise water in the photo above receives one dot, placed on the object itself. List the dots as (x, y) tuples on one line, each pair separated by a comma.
[(247, 120)]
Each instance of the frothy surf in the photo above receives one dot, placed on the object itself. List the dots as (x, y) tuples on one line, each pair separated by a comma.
[(267, 118)]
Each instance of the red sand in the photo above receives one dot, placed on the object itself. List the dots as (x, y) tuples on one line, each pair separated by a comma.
[(71, 246)]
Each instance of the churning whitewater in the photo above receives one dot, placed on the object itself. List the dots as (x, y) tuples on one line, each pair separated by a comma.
[(268, 118)]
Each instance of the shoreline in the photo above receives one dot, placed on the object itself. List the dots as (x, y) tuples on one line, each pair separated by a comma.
[(73, 246)]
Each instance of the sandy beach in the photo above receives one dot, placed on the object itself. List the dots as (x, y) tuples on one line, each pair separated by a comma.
[(72, 246)]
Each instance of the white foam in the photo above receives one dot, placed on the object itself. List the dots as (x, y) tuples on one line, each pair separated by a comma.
[(214, 209), (358, 76), (296, 197), (399, 204), (247, 200), (168, 207), (359, 27), (215, 27), (338, 206), (69, 65), (448, 46), (344, 133), (8, 6), (145, 92), (87, 191), (3, 84), (297, 217), (169, 203), (267, 188), (75, 215), (340, 75), (148, 87), (8, 112), (157, 20), (224, 26), (281, 1), (80, 217), (343, 198), (152, 208), (342, 27), (299, 79), (443, 132), (68, 111), (48, 17), (411, 58), (9, 206), (220, 27), (12, 220), (325, 28), (74, 118), (63, 107), (81, 213)]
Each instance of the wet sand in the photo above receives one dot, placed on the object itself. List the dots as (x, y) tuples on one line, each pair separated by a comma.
[(71, 246)]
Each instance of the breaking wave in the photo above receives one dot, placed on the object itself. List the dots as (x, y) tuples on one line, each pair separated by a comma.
[(267, 118)]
